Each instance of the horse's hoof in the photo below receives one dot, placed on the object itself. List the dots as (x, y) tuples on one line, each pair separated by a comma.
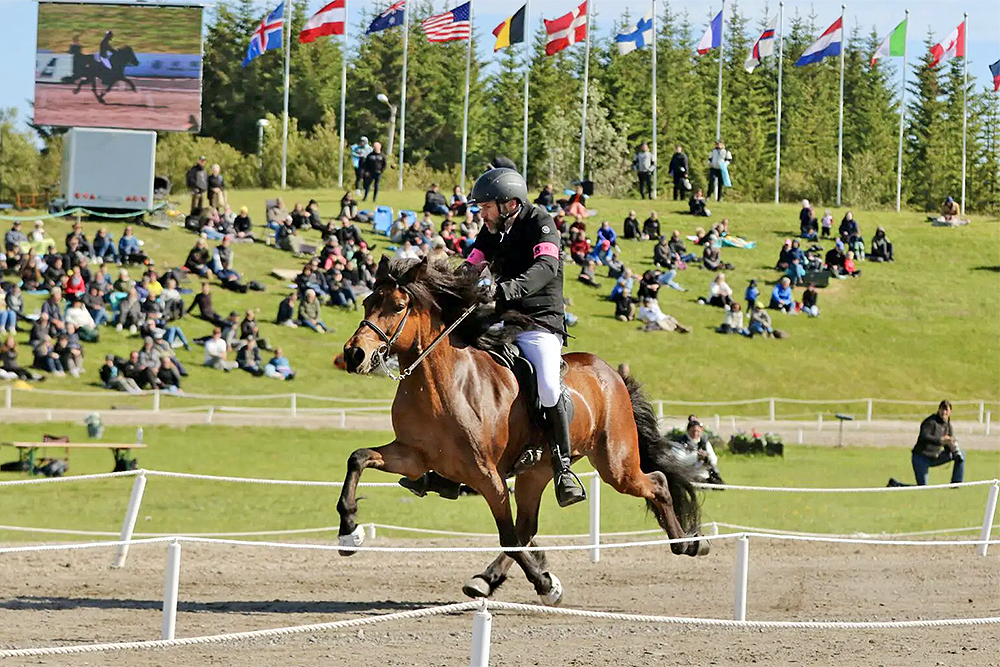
[(554, 596), (349, 543), (704, 546), (477, 587)]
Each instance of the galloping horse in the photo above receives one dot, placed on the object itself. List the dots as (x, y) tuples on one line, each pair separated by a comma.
[(91, 70), (463, 415)]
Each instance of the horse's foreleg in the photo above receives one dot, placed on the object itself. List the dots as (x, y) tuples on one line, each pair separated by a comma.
[(93, 86), (129, 82), (528, 494), (393, 458), (79, 84)]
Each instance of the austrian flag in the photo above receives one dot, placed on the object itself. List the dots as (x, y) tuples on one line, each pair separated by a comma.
[(566, 30), (327, 21)]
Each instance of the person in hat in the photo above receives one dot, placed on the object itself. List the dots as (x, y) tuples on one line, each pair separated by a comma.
[(950, 211), (760, 321), (694, 451), (881, 247), (359, 152), (936, 446), (14, 237)]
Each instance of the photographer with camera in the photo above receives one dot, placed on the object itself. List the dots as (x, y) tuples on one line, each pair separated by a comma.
[(936, 445), (694, 450)]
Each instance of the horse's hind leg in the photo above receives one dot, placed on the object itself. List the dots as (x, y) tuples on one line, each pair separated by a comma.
[(528, 495), (395, 457)]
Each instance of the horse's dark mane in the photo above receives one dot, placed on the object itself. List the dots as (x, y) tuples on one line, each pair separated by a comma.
[(439, 289)]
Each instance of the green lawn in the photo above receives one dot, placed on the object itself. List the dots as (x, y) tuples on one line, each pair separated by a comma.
[(923, 328), (172, 505)]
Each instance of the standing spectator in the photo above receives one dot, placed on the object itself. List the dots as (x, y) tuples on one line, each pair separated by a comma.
[(644, 168), (679, 172), (827, 223), (718, 160), (807, 222), (434, 201), (751, 295), (197, 182), (309, 311), (936, 445), (217, 188), (359, 152), (374, 165), (217, 352)]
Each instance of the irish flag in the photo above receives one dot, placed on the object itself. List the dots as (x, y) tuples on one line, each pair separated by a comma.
[(952, 47), (893, 45)]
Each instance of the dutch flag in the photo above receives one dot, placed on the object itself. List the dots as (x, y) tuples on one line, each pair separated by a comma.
[(828, 44)]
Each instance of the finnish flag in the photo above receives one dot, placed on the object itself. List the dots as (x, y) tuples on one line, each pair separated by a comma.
[(640, 36)]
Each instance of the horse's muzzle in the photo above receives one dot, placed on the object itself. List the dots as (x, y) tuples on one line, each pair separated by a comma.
[(354, 359)]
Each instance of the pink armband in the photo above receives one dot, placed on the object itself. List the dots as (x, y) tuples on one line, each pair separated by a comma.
[(476, 257), (550, 249)]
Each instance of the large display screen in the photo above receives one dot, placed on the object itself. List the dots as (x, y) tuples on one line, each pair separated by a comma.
[(132, 66)]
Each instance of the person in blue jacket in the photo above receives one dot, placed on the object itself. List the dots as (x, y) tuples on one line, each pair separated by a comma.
[(781, 296)]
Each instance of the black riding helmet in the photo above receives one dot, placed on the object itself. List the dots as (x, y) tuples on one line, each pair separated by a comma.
[(499, 185)]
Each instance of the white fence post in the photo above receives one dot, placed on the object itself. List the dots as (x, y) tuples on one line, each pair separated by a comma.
[(134, 501), (156, 400), (718, 424), (595, 518), (8, 399), (742, 560), (209, 414), (659, 409), (770, 408), (343, 419), (372, 532), (171, 580), (991, 510), (482, 626), (819, 422), (295, 405), (987, 422), (870, 402), (982, 407), (800, 436)]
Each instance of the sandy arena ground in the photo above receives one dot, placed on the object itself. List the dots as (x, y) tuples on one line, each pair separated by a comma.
[(66, 598), (167, 104)]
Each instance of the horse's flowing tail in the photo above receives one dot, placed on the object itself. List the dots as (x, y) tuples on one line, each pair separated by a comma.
[(654, 454)]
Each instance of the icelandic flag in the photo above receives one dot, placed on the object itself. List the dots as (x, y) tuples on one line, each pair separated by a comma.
[(712, 39), (995, 71), (639, 37), (828, 44), (390, 18), (764, 46), (267, 36)]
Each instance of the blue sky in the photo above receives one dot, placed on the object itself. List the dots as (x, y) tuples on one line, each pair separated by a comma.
[(983, 48)]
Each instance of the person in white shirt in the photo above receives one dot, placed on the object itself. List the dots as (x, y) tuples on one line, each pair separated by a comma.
[(718, 159), (695, 452), (216, 351), (720, 294), (407, 251), (655, 319), (79, 316)]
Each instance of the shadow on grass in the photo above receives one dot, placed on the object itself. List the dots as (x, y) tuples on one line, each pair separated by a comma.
[(990, 269), (54, 603)]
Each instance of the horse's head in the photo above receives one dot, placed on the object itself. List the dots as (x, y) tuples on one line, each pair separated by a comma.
[(388, 325), (125, 57)]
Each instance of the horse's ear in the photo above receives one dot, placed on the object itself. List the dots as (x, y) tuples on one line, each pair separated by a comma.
[(382, 273), (414, 273)]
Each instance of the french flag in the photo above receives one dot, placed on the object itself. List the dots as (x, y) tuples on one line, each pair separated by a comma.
[(712, 39), (828, 44)]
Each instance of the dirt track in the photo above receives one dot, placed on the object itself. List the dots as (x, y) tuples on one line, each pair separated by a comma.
[(73, 597), (157, 103)]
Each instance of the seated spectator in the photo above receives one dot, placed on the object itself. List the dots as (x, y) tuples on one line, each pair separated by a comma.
[(45, 357), (733, 321), (711, 258), (130, 248), (679, 249), (547, 198), (434, 201), (276, 214), (785, 256), (300, 217), (881, 247), (9, 363), (812, 262), (760, 322), (697, 205), (124, 283), (315, 221), (287, 311), (651, 227), (309, 313), (278, 367), (142, 376), (104, 246), (113, 378), (796, 273), (222, 267), (30, 273), (341, 292), (169, 376), (809, 300), (601, 252), (348, 233), (606, 233), (54, 274), (950, 210), (649, 285), (217, 352), (75, 285), (70, 351), (577, 204), (630, 227), (808, 226), (781, 296), (624, 282), (579, 246), (171, 300), (624, 306), (850, 269), (827, 223), (614, 263), (249, 329), (459, 203), (655, 319), (407, 251), (242, 225), (54, 307), (348, 206), (835, 259), (248, 358), (587, 274), (78, 316), (41, 329), (14, 237), (15, 304), (720, 294), (694, 452), (662, 255), (8, 317), (848, 228), (203, 302)]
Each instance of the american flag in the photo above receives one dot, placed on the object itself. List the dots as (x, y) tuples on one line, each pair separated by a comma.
[(449, 26)]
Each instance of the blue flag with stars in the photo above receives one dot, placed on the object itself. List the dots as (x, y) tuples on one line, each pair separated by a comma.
[(390, 18)]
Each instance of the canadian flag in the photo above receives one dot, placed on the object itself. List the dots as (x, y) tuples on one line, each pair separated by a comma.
[(327, 21), (952, 47), (566, 30)]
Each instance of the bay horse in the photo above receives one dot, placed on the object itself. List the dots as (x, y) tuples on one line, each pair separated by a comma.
[(91, 71), (461, 414)]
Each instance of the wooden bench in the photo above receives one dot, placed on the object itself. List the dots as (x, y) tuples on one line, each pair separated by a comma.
[(27, 451)]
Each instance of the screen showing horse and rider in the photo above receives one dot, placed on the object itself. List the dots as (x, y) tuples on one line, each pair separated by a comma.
[(118, 65)]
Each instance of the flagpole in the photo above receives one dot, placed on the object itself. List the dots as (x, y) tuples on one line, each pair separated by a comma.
[(286, 32), (527, 70), (343, 98), (777, 143), (902, 115), (722, 51), (402, 104), (465, 117), (965, 97), (655, 173), (840, 129), (586, 81)]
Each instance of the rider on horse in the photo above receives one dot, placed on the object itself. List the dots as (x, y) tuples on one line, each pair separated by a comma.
[(105, 51), (521, 243)]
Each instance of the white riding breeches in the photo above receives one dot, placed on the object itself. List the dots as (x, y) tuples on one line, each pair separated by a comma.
[(544, 350)]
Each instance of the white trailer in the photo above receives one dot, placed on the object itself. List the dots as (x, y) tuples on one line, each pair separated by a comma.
[(109, 169)]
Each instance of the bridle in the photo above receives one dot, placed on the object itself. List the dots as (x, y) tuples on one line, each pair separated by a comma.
[(381, 355)]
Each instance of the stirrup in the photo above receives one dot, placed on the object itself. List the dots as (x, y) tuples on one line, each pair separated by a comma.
[(569, 489)]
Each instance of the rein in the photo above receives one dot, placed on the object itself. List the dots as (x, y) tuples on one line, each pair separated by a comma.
[(382, 353)]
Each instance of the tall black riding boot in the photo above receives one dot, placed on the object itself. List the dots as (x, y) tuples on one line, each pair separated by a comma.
[(569, 490), (432, 482)]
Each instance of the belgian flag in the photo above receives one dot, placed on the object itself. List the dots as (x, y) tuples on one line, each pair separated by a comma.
[(510, 31)]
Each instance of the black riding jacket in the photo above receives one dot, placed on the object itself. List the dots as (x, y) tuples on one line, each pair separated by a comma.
[(526, 263)]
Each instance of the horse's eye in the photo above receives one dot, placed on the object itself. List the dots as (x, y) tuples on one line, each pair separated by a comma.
[(400, 307)]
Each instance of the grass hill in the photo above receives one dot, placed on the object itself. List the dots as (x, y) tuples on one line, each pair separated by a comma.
[(923, 328)]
